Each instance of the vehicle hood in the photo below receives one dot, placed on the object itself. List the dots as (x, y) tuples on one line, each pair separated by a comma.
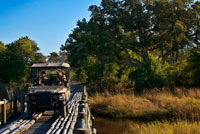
[(53, 89)]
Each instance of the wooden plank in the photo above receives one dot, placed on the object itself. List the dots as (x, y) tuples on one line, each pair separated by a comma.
[(4, 118)]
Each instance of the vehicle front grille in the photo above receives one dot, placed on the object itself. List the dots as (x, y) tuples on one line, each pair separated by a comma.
[(43, 99)]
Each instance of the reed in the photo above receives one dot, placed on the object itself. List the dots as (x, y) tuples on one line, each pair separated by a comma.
[(150, 106), (165, 127)]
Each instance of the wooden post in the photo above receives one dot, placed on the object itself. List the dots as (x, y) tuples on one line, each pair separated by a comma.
[(84, 121), (22, 104), (82, 115), (84, 89), (94, 131), (15, 105), (83, 131), (4, 112), (82, 125)]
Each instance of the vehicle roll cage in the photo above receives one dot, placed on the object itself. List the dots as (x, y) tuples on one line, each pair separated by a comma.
[(50, 79)]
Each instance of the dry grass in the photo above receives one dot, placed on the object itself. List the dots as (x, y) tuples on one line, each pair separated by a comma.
[(165, 127), (121, 105), (155, 105), (155, 112)]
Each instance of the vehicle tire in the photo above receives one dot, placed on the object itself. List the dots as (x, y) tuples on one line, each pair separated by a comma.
[(63, 110), (29, 110)]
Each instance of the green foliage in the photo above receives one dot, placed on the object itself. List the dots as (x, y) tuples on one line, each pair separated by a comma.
[(80, 75), (25, 48), (176, 76), (2, 47), (39, 58), (125, 34), (185, 72), (150, 75), (13, 67), (15, 59), (193, 67), (55, 57)]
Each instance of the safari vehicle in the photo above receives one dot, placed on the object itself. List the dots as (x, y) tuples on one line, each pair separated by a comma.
[(50, 88)]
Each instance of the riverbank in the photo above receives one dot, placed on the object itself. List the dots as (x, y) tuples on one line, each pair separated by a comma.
[(161, 109), (149, 106), (112, 126), (164, 127), (126, 126)]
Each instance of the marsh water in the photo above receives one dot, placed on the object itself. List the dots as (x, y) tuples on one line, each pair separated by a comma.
[(111, 126)]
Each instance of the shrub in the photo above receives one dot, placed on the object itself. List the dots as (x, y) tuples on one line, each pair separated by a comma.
[(149, 76)]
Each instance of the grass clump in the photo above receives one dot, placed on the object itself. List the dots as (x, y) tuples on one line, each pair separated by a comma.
[(165, 127), (149, 106), (120, 105)]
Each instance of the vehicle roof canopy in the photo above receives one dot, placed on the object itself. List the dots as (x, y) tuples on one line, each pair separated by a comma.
[(50, 66)]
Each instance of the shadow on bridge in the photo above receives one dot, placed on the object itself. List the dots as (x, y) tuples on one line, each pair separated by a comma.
[(43, 124)]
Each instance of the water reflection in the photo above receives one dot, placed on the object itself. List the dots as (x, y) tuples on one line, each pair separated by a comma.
[(110, 126)]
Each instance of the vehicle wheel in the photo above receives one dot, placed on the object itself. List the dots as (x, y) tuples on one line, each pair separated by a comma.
[(29, 110), (63, 111)]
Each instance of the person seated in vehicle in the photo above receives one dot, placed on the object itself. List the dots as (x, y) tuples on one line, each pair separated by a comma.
[(64, 79), (44, 78), (37, 81), (60, 78)]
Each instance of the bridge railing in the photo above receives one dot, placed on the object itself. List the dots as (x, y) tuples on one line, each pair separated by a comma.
[(78, 121), (84, 124), (11, 107)]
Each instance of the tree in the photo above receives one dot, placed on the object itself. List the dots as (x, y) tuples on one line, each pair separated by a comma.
[(130, 33), (15, 59), (150, 75), (55, 57), (39, 58), (63, 55), (13, 67), (24, 47), (193, 67), (2, 47)]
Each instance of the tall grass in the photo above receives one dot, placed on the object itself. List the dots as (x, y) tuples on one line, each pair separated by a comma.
[(155, 105), (154, 112), (121, 105), (165, 127)]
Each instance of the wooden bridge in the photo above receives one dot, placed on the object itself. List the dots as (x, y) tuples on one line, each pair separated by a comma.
[(78, 120)]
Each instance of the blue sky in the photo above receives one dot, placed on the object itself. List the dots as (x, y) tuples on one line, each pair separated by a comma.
[(48, 22)]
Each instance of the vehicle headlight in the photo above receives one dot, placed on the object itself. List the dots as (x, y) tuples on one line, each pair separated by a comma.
[(55, 97), (61, 96)]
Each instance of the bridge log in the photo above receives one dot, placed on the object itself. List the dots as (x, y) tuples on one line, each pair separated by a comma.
[(77, 121), (4, 118), (83, 131)]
